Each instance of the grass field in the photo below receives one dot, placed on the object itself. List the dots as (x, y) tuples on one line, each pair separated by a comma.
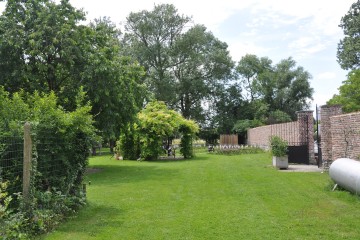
[(210, 197)]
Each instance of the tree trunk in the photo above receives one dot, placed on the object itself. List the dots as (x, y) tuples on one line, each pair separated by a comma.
[(112, 145), (93, 150)]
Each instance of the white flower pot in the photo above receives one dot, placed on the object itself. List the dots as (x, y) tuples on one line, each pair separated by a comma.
[(281, 162)]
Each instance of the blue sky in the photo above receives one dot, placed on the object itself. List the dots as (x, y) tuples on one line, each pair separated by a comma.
[(305, 30)]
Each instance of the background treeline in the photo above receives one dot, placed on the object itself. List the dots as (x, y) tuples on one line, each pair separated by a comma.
[(161, 55)]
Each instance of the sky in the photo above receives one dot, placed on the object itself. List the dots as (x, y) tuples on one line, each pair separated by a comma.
[(305, 30)]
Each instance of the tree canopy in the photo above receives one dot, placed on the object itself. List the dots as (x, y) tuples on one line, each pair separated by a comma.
[(349, 93), (45, 47), (40, 46), (155, 124), (348, 53), (184, 65), (264, 93)]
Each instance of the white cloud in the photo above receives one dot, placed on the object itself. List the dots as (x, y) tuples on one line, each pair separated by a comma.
[(321, 98), (325, 76), (306, 46), (320, 10), (239, 49)]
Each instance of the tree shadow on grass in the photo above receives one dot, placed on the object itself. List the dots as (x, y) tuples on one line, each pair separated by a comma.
[(115, 174), (137, 171), (91, 222)]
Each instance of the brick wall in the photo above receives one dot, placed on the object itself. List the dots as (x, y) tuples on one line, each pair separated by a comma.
[(340, 134), (295, 133), (345, 134), (326, 113), (260, 136)]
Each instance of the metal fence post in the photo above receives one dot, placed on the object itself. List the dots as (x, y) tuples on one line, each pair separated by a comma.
[(27, 161)]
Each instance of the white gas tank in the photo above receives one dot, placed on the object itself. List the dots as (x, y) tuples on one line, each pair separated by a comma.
[(346, 173)]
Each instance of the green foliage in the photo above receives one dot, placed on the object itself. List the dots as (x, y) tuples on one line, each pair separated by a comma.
[(349, 95), (249, 68), (61, 142), (204, 66), (186, 144), (130, 143), (279, 147), (230, 107), (44, 47), (150, 36), (349, 46), (278, 116), (184, 65), (265, 93), (286, 87), (210, 135), (71, 137), (281, 87), (5, 199), (156, 123), (41, 46), (113, 82), (242, 126), (46, 211)]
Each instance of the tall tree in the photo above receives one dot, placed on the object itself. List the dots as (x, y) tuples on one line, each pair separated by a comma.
[(113, 82), (229, 108), (204, 66), (151, 35), (248, 69), (44, 47), (286, 87), (348, 53), (40, 46), (349, 94), (183, 67)]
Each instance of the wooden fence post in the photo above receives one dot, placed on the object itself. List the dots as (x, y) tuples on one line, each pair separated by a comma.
[(27, 161)]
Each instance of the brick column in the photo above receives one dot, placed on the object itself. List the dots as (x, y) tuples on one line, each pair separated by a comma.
[(306, 132), (325, 129)]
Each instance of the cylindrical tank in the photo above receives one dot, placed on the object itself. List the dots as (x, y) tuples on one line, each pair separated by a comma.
[(346, 173)]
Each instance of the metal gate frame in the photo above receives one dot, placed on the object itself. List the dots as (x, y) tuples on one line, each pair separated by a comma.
[(298, 152)]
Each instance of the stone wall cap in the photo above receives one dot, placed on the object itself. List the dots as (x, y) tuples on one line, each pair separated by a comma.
[(331, 106), (305, 111), (346, 114)]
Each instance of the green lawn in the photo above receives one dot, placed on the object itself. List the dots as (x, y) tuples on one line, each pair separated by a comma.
[(210, 197)]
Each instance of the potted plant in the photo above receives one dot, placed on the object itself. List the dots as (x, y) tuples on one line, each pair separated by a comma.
[(279, 149)]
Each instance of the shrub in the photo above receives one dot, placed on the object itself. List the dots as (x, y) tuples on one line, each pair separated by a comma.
[(279, 147), (188, 128), (129, 143), (157, 122), (61, 143)]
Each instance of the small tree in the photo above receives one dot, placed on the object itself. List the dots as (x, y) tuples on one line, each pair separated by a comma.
[(156, 122)]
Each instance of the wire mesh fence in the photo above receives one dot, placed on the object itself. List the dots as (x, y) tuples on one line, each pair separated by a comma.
[(52, 164), (50, 155), (11, 162)]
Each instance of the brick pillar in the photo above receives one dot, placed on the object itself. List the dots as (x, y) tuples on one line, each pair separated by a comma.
[(306, 132), (325, 129)]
